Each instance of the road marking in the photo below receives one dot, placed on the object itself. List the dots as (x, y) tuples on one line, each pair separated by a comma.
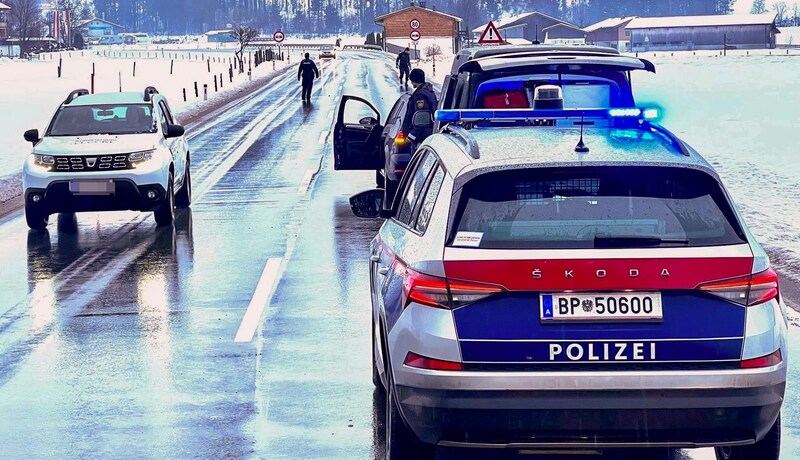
[(323, 136), (306, 182), (261, 297)]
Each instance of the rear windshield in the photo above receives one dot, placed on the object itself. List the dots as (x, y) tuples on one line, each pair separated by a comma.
[(83, 120), (594, 207)]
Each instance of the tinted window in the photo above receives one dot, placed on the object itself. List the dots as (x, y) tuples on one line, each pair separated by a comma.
[(597, 207), (430, 199), (414, 188), (84, 120)]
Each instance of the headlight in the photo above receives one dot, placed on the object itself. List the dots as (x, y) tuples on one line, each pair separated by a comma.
[(44, 160), (140, 157)]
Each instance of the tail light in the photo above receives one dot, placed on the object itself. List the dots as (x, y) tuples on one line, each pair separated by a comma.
[(746, 290), (421, 362), (400, 138), (434, 291), (771, 359)]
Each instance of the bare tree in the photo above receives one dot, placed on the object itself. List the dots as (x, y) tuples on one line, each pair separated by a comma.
[(780, 9), (243, 35), (759, 7), (796, 14), (77, 13), (26, 22)]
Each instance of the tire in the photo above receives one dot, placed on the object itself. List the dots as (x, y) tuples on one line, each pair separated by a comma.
[(401, 442), (768, 448), (165, 212), (184, 197), (36, 219)]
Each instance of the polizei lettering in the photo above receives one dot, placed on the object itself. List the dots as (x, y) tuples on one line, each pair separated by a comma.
[(606, 351)]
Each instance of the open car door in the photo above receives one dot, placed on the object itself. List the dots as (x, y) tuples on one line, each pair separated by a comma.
[(357, 136)]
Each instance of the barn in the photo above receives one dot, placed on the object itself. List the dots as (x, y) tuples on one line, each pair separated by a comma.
[(434, 28), (609, 32), (527, 26), (564, 34), (743, 31)]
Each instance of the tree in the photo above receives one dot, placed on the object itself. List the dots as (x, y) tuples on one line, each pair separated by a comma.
[(26, 22), (77, 13), (796, 14), (433, 50), (780, 9), (759, 7), (243, 35), (77, 41)]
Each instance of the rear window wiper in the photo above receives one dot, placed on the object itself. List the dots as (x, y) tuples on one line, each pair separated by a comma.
[(633, 241)]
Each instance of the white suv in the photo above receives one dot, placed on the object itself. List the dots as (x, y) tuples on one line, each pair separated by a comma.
[(108, 152)]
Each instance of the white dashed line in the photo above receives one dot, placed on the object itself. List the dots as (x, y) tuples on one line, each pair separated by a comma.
[(306, 182), (255, 311), (323, 136)]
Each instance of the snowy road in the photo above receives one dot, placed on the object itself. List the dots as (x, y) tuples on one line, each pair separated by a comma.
[(117, 339)]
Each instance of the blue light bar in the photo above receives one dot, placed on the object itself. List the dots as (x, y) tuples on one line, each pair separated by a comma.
[(476, 115)]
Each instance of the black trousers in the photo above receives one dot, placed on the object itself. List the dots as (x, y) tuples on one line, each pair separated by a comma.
[(308, 85), (404, 71)]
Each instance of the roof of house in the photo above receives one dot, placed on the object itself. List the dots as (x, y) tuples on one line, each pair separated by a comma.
[(428, 10), (88, 21), (4, 7), (511, 20), (568, 26), (610, 22), (701, 21)]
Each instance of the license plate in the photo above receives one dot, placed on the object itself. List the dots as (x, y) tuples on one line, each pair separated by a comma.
[(92, 187), (634, 306)]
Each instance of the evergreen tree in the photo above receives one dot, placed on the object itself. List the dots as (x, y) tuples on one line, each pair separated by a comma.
[(759, 7), (77, 41)]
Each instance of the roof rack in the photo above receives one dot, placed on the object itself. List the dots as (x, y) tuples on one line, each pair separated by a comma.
[(75, 94), (463, 135), (149, 92), (673, 139)]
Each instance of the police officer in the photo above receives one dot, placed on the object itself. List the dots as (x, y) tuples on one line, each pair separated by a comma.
[(403, 62), (307, 71), (423, 98)]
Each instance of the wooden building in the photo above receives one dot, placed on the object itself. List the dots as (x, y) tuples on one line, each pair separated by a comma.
[(527, 26), (609, 32), (744, 31), (5, 13), (564, 34), (435, 28)]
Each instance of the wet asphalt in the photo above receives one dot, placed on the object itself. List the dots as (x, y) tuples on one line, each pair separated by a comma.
[(119, 339)]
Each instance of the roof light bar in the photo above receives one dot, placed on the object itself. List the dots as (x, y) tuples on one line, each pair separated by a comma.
[(475, 115)]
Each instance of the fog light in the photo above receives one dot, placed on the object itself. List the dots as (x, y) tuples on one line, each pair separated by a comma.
[(36, 198), (151, 194)]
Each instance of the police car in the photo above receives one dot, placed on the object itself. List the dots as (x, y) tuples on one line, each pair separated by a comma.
[(104, 152), (554, 279)]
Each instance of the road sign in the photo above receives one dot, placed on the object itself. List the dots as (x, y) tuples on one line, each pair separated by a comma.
[(415, 35), (279, 36), (415, 24), (490, 35)]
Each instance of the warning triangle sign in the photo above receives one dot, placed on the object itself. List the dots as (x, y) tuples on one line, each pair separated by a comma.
[(490, 35)]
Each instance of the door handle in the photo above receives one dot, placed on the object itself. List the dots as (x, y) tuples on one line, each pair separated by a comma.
[(383, 270)]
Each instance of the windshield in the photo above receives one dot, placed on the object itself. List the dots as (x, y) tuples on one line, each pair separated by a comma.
[(596, 207), (86, 120)]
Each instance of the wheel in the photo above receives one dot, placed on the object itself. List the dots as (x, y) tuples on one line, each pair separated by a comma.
[(379, 180), (768, 448), (388, 193), (401, 442), (36, 219), (165, 212), (184, 197)]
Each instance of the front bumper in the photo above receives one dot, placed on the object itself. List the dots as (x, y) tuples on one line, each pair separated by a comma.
[(127, 196), (601, 419)]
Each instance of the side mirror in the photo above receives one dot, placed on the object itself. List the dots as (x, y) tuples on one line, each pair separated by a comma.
[(368, 204), (368, 121), (32, 136), (422, 119), (174, 131)]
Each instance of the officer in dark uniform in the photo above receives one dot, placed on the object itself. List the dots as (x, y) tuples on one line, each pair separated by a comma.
[(307, 71), (403, 62), (423, 98)]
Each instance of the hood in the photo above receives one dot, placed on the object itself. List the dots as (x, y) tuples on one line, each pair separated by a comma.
[(96, 145)]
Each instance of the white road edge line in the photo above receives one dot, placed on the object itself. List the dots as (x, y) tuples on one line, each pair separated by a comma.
[(323, 136), (306, 182), (261, 297)]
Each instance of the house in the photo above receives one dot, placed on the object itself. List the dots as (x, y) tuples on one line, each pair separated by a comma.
[(527, 26), (609, 32), (743, 31), (97, 27), (219, 36), (434, 28), (564, 34), (5, 15)]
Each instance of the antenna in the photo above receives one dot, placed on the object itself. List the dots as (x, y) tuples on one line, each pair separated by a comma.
[(581, 147)]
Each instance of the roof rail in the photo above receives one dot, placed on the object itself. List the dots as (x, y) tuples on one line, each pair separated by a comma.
[(75, 94), (149, 92), (673, 139), (463, 135)]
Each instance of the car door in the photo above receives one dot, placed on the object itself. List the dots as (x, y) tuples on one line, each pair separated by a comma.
[(177, 145), (357, 136)]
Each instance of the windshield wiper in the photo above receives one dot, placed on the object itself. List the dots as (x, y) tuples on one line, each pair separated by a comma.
[(633, 241)]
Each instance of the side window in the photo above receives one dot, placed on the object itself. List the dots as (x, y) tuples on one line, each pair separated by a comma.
[(414, 189), (430, 199), (167, 113), (395, 113), (162, 119)]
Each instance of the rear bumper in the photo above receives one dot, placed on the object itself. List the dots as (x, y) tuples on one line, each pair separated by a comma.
[(396, 166), (576, 419), (127, 196)]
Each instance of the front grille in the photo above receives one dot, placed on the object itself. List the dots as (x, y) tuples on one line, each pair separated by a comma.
[(92, 163)]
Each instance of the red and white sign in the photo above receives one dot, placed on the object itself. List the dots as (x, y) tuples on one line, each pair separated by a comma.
[(490, 35), (415, 35), (279, 36), (415, 24)]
